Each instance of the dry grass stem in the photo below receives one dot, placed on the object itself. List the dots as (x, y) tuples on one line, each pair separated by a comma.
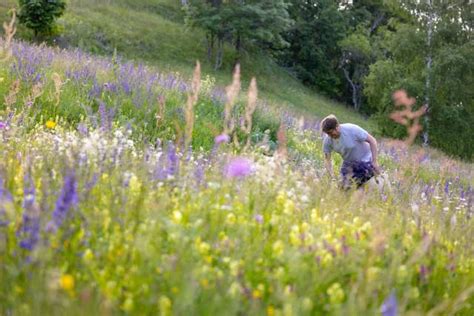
[(406, 116), (192, 100), (232, 92), (250, 109), (160, 114), (11, 97), (9, 30), (58, 83), (282, 150)]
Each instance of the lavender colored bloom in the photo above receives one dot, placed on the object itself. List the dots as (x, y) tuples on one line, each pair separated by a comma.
[(106, 116), (66, 200), (446, 187), (390, 306), (81, 76), (30, 228), (199, 172), (110, 86), (125, 85), (238, 168), (173, 160), (259, 218), (82, 128), (424, 272), (95, 91), (223, 138), (5, 196)]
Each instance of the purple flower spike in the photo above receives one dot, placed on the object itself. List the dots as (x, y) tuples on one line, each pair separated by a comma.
[(66, 200), (238, 168), (3, 125), (390, 306), (223, 138)]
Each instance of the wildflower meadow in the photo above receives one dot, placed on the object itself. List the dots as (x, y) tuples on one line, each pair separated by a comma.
[(128, 191)]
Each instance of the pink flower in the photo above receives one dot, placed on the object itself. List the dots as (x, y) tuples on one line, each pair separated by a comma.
[(238, 168), (223, 138)]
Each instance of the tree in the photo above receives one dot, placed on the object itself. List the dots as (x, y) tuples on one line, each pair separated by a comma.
[(359, 50), (431, 57), (313, 53), (39, 15), (257, 22)]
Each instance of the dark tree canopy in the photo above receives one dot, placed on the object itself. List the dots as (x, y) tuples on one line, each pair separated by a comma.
[(40, 15)]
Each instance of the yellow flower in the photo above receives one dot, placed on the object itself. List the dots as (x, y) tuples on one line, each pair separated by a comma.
[(234, 289), (307, 304), (287, 309), (50, 124), (234, 268), (373, 274), (336, 294), (278, 248), (402, 273), (270, 311), (204, 283), (204, 248), (231, 219), (414, 293), (257, 294), (177, 217), (128, 305), (67, 282), (289, 207), (88, 255), (165, 305)]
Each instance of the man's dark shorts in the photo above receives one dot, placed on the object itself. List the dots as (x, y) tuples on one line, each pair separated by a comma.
[(359, 172)]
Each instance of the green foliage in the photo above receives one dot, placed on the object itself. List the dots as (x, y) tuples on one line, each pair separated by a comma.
[(313, 53), (40, 15), (446, 85), (251, 22)]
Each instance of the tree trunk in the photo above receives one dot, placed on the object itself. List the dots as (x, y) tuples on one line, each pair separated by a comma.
[(356, 100), (210, 45), (219, 54), (429, 62)]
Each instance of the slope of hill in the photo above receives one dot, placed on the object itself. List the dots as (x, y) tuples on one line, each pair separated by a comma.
[(153, 32), (102, 214)]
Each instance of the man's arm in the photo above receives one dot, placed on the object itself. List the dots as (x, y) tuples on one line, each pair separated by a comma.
[(328, 164), (373, 148)]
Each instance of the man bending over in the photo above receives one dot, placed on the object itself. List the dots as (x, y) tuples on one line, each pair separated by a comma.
[(356, 146)]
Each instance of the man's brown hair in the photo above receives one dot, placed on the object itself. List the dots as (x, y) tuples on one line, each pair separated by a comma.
[(329, 123)]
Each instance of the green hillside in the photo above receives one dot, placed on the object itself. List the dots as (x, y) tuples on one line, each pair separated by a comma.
[(154, 32)]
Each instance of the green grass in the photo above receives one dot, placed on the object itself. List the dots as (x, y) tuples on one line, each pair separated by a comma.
[(154, 32)]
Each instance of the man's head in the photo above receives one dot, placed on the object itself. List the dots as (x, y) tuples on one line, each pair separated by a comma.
[(330, 126)]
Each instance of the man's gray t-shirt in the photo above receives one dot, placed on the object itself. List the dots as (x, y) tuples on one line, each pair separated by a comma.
[(351, 144)]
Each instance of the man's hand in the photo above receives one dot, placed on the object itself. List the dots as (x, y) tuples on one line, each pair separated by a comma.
[(328, 165), (377, 169)]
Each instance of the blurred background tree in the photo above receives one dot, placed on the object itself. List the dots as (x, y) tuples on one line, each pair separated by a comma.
[(40, 15)]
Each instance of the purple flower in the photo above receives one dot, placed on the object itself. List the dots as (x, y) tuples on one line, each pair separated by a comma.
[(173, 159), (238, 168), (259, 218), (223, 138), (5, 196), (30, 228), (199, 172), (390, 306), (66, 200), (82, 128), (3, 125), (424, 272)]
